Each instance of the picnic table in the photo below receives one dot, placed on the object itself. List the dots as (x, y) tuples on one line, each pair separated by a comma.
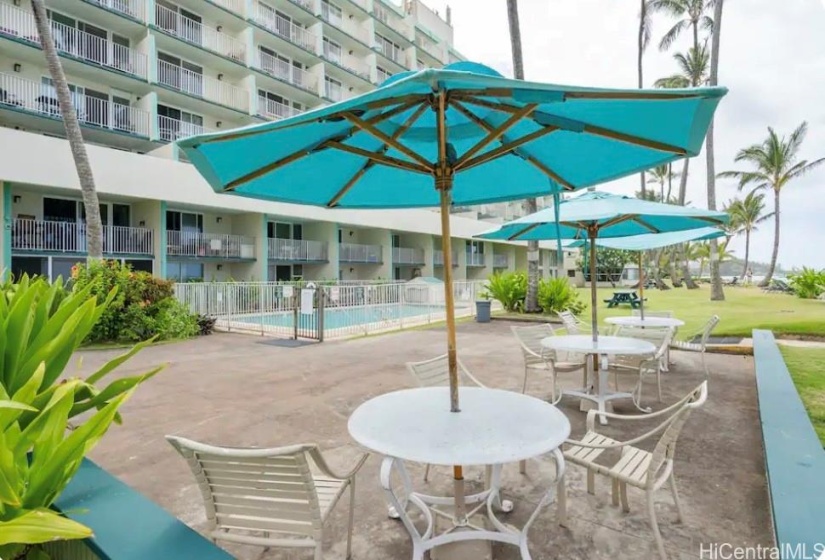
[(624, 296)]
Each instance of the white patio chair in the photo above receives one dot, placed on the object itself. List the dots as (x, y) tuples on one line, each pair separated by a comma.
[(645, 364), (646, 470), (537, 358), (700, 346), (572, 324), (285, 494)]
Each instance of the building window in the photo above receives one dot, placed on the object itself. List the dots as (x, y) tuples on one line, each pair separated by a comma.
[(332, 51), (180, 74), (184, 221), (184, 271), (382, 74), (475, 247), (388, 48), (333, 89), (331, 13), (174, 124)]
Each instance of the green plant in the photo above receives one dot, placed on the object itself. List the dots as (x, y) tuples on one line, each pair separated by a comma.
[(508, 288), (557, 294), (41, 326), (809, 283)]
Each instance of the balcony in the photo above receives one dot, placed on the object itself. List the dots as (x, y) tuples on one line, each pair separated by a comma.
[(305, 4), (135, 9), (171, 130), (195, 244), (350, 64), (391, 18), (284, 71), (501, 261), (475, 259), (407, 255), (210, 89), (19, 24), (294, 250), (196, 33), (355, 253), (390, 51), (44, 236), (295, 34), (273, 110), (235, 6), (32, 97), (439, 258), (429, 46), (333, 92)]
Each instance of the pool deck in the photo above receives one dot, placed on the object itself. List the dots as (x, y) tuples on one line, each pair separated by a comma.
[(235, 390)]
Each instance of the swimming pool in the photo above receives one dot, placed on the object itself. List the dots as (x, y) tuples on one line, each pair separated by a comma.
[(343, 317)]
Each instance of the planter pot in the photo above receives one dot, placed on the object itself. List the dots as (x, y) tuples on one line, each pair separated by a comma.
[(483, 311)]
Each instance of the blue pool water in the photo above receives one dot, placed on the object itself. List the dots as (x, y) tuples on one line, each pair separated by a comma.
[(340, 317)]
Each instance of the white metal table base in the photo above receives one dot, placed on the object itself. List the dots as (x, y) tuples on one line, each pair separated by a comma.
[(598, 392), (464, 529)]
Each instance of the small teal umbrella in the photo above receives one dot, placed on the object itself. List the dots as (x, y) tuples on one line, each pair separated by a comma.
[(460, 135), (598, 215)]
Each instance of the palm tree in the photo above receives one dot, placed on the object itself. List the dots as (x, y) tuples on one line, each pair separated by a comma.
[(690, 14), (717, 292), (700, 252), (94, 227), (645, 26), (745, 217), (662, 174), (776, 163), (531, 301)]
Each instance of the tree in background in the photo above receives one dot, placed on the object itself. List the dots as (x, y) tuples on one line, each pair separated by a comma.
[(717, 293), (745, 216), (94, 226), (645, 27)]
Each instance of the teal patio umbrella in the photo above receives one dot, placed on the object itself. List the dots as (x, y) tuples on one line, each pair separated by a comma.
[(597, 216), (460, 135), (645, 242)]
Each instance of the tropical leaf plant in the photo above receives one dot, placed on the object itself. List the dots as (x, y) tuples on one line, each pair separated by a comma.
[(508, 288), (809, 283), (557, 294)]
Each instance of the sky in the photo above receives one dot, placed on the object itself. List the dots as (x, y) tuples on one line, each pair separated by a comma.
[(772, 59)]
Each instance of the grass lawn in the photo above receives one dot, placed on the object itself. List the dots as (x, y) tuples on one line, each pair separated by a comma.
[(743, 310), (807, 367)]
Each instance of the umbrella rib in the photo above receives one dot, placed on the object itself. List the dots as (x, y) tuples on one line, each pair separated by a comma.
[(381, 158), (383, 150), (644, 223), (608, 95), (528, 229), (494, 134), (388, 140), (532, 160), (508, 147)]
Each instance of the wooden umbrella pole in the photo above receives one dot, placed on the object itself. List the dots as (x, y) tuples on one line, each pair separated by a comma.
[(592, 231), (641, 285)]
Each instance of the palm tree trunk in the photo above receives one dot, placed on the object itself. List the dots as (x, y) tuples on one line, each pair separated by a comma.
[(94, 227), (717, 292), (671, 265), (669, 182), (767, 280), (531, 301), (747, 252), (683, 183), (686, 275)]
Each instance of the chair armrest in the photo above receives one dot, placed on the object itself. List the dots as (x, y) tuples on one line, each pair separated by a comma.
[(322, 464)]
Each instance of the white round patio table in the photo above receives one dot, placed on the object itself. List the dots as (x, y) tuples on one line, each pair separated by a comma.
[(598, 391), (647, 322), (494, 427)]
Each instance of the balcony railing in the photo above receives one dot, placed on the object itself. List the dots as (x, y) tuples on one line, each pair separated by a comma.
[(293, 250), (266, 18), (19, 23), (70, 237), (26, 95), (236, 6), (333, 92), (354, 253), (170, 130), (131, 8), (305, 4), (475, 259), (284, 70), (438, 258), (390, 51), (274, 110), (501, 261), (407, 255), (196, 33), (390, 18), (190, 243), (430, 46), (187, 81)]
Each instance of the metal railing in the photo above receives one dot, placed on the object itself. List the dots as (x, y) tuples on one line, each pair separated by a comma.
[(390, 51), (355, 253), (266, 18), (19, 23), (305, 4), (91, 111), (199, 34), (236, 6), (170, 130), (275, 110), (187, 81), (70, 237), (390, 18), (284, 70), (501, 261), (438, 258), (132, 8), (273, 308), (475, 259), (430, 46), (381, 75), (407, 255), (295, 250), (333, 92), (198, 244)]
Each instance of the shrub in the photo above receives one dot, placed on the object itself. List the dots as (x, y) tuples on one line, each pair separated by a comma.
[(808, 284), (508, 288), (41, 325), (206, 324), (142, 307), (557, 294)]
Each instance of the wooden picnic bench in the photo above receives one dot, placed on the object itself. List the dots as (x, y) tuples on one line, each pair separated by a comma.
[(624, 296)]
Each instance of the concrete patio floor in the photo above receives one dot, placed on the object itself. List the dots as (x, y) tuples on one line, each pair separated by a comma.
[(238, 390)]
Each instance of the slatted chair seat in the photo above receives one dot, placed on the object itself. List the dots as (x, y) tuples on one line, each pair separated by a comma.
[(268, 497)]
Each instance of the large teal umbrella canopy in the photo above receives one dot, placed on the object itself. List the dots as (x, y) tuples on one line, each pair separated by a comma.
[(653, 240), (503, 139)]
